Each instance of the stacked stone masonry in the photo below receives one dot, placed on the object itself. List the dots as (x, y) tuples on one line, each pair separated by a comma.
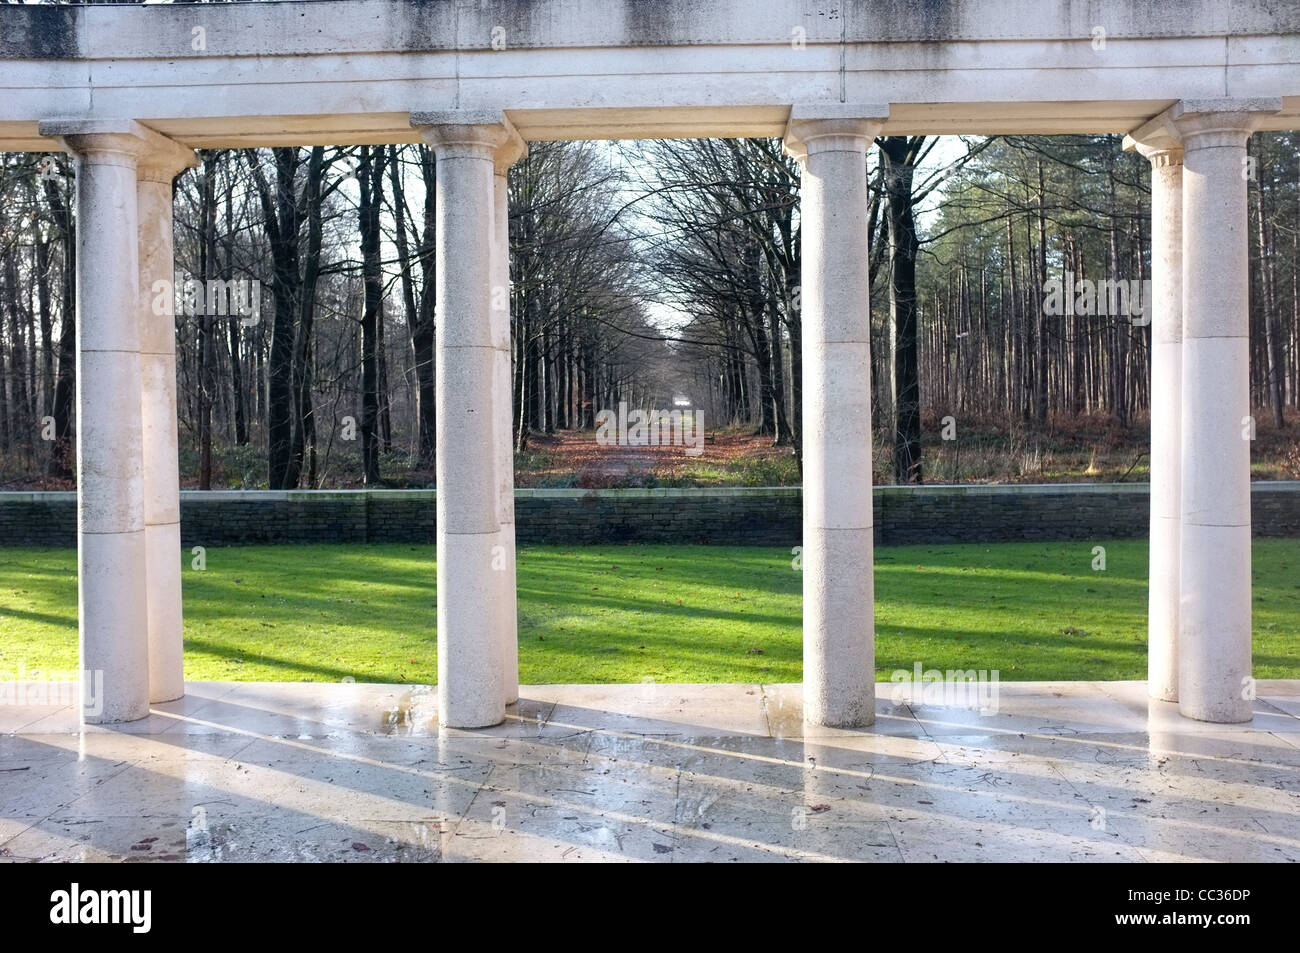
[(735, 516)]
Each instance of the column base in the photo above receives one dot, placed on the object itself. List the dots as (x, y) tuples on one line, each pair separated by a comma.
[(1214, 715)]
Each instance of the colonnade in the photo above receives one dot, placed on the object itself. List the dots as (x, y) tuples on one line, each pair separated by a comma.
[(128, 499), (1200, 588), (128, 514)]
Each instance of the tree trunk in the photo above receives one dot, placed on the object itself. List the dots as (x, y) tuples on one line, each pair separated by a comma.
[(207, 304), (370, 181), (1272, 337), (899, 155), (65, 387)]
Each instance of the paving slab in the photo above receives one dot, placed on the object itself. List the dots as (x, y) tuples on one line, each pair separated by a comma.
[(1073, 771)]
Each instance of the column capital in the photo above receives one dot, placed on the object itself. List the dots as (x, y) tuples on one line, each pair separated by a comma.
[(509, 152), (1156, 141), (157, 157), (165, 160), (836, 127), (1200, 123), (486, 133)]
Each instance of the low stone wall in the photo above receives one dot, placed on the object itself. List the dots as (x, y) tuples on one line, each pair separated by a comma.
[(730, 515)]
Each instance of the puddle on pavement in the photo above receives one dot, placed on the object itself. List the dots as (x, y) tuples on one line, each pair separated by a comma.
[(416, 713)]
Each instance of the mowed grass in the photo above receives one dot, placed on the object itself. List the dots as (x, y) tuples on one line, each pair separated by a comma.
[(1033, 611)]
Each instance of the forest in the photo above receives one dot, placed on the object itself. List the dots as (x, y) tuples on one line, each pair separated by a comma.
[(644, 272)]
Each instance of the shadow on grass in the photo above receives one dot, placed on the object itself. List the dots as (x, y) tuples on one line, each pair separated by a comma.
[(612, 613)]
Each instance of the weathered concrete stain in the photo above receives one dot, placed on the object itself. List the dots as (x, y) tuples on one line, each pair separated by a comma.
[(40, 33), (60, 32)]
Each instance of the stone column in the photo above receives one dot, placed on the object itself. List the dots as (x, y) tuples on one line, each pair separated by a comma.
[(838, 607), (1159, 144), (470, 663), (111, 599), (1214, 662), (162, 514), (502, 379)]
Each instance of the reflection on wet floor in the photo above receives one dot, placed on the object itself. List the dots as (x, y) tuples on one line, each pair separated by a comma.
[(415, 712), (346, 772)]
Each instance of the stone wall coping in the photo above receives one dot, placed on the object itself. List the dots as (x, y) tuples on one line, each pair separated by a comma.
[(640, 493)]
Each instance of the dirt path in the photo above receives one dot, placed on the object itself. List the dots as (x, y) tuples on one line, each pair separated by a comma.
[(565, 454)]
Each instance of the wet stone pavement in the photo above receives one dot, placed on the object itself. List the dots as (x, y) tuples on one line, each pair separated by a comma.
[(1076, 771)]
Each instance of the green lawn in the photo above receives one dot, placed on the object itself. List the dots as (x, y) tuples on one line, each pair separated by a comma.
[(673, 613)]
